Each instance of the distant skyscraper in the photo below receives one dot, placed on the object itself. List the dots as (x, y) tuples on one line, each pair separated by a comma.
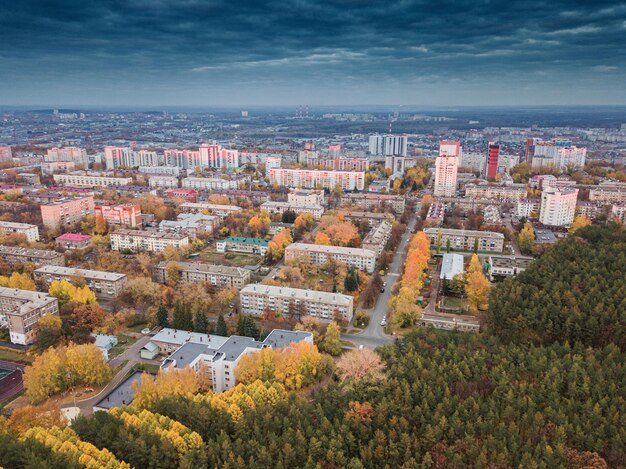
[(388, 145), (492, 159), (446, 168)]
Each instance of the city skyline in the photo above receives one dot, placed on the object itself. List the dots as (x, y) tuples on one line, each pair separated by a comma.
[(262, 53)]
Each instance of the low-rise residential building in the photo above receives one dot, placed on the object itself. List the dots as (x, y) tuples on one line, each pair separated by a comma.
[(277, 227), (73, 241), (104, 342), (21, 309), (590, 210), (372, 218), (214, 183), (305, 197), (30, 231), (528, 207), (435, 214), (241, 244), (190, 195), (160, 170), (608, 195), (66, 212), (83, 179), (465, 240), (14, 255), (169, 340), (255, 299), (217, 357), (53, 167), (316, 178), (281, 207), (150, 241), (221, 276), (191, 224), (490, 191), (377, 238), (363, 259), (507, 266), (215, 209), (491, 215), (450, 322), (618, 212), (104, 284), (128, 215), (163, 182), (369, 201)]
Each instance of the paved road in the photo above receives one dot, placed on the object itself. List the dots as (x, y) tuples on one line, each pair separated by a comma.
[(374, 335), (132, 355)]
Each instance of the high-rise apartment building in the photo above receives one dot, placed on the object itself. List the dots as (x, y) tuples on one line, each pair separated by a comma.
[(558, 206), (124, 214), (493, 155), (214, 156), (315, 178), (388, 145), (446, 168), (558, 153), (66, 212)]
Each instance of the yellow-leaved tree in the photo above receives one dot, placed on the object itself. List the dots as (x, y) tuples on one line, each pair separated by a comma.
[(579, 222), (19, 281), (67, 292), (477, 290), (177, 382)]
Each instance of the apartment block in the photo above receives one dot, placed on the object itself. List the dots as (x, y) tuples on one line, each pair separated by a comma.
[(466, 240), (241, 244), (377, 238), (217, 275), (160, 170), (558, 206), (190, 195), (256, 298), (53, 167), (67, 154), (165, 182), (608, 195), (305, 197), (30, 231), (618, 212), (446, 168), (76, 179), (215, 209), (367, 202), (191, 224), (105, 285), (21, 309), (489, 191), (128, 215), (214, 183), (372, 218), (14, 255), (149, 241), (362, 259), (124, 157), (526, 207), (214, 156), (317, 178), (281, 207), (66, 212)]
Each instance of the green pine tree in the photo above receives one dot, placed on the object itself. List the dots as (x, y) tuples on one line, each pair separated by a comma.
[(162, 317), (200, 323), (220, 328)]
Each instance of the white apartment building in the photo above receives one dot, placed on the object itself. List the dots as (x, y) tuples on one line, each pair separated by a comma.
[(84, 179), (164, 182), (124, 157), (377, 238), (217, 275), (211, 184), (160, 170), (104, 284), (256, 298), (52, 167), (559, 154), (67, 154), (465, 240), (608, 195), (215, 209), (150, 241), (281, 207), (370, 201), (21, 309), (473, 161), (446, 168), (525, 207), (558, 206), (305, 197), (362, 259), (489, 191), (214, 156), (316, 178), (388, 145), (30, 231), (272, 162)]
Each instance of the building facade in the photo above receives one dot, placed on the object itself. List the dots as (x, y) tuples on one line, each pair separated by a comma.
[(367, 202), (446, 168), (465, 240), (281, 207), (30, 231), (66, 212), (241, 244), (21, 309), (216, 275), (149, 241), (128, 215), (362, 259), (499, 192), (558, 206), (318, 178), (255, 299), (75, 179), (73, 241), (105, 285), (14, 255)]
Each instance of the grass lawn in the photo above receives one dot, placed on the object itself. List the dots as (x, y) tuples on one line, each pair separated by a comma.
[(138, 328), (453, 302), (233, 259), (123, 342), (10, 355)]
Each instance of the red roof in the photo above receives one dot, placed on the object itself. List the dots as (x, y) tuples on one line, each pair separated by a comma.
[(74, 237)]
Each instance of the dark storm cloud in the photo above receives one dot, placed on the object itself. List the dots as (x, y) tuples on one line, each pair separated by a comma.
[(381, 50)]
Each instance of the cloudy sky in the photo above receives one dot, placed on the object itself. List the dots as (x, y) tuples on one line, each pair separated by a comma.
[(256, 52)]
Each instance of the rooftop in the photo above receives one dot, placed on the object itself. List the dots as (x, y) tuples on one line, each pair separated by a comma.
[(14, 225), (297, 293), (453, 232), (148, 234), (19, 251), (330, 249), (88, 274), (174, 336), (122, 394), (544, 237), (207, 268), (451, 266), (73, 237), (241, 239)]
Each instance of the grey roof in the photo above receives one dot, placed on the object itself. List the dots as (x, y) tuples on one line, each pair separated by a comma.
[(207, 268), (178, 337), (279, 338), (88, 274), (330, 249), (123, 394), (188, 352), (150, 347), (104, 340), (20, 251), (452, 265), (544, 237), (297, 293)]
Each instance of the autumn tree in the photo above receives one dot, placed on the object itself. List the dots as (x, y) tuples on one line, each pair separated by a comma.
[(173, 273), (477, 290), (66, 292), (49, 330), (360, 365), (46, 415), (526, 239), (85, 316), (276, 247), (579, 222), (322, 238), (175, 382), (17, 280), (303, 222), (332, 339)]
